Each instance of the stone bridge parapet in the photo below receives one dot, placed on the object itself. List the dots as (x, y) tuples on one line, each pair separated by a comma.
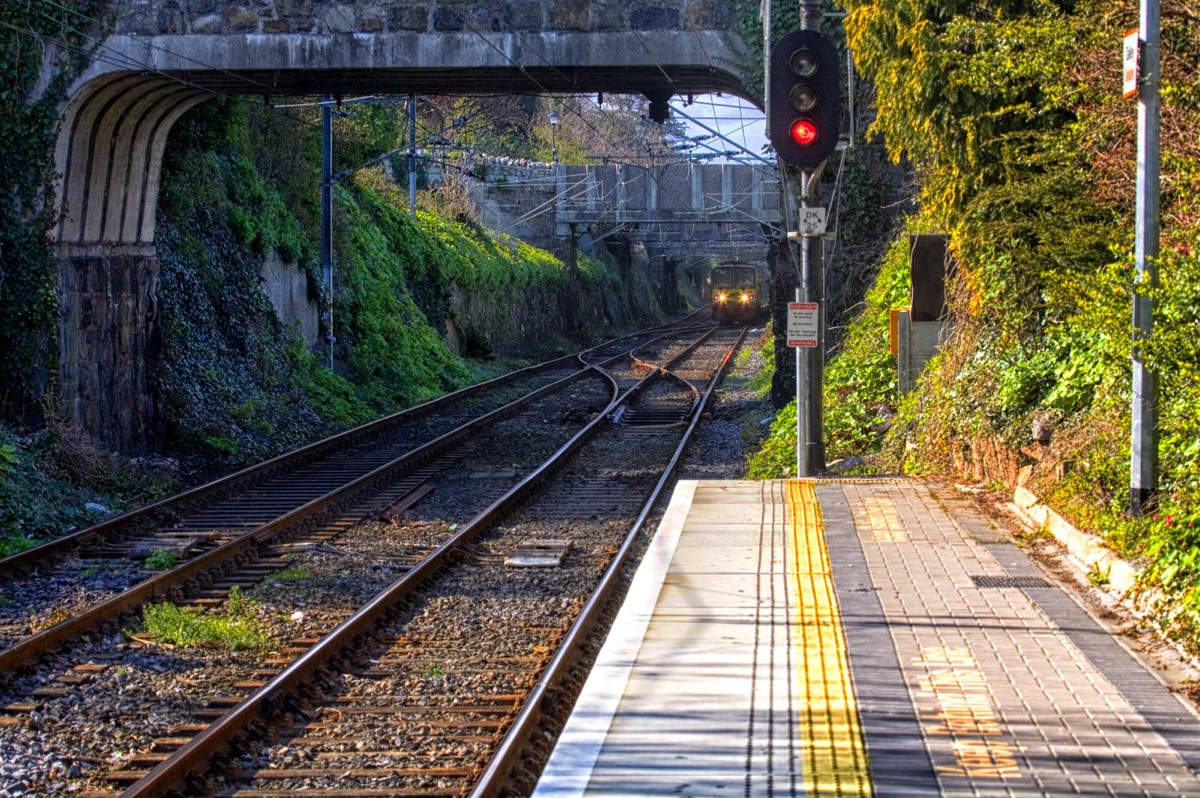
[(206, 17)]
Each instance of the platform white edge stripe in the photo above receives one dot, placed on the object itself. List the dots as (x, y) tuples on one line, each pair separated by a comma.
[(569, 770)]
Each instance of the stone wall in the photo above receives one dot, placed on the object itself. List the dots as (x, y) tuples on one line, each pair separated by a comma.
[(173, 17), (110, 342)]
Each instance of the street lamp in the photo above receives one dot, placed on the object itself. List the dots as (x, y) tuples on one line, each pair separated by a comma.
[(554, 137)]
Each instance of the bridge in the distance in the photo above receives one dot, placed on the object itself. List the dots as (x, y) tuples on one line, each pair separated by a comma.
[(678, 210)]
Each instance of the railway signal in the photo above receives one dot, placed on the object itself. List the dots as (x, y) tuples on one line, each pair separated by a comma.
[(804, 113)]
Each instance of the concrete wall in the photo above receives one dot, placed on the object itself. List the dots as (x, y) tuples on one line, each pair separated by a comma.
[(286, 285)]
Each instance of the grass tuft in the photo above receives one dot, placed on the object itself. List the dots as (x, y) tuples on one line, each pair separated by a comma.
[(236, 630)]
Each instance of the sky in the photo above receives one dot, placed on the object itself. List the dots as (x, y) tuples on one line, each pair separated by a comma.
[(732, 116)]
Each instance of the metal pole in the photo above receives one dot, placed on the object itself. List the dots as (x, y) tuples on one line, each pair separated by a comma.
[(327, 212), (812, 279), (412, 156), (1143, 471), (764, 13), (801, 395), (815, 286), (850, 91)]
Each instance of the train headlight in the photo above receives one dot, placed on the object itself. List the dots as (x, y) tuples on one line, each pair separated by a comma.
[(720, 297), (746, 297)]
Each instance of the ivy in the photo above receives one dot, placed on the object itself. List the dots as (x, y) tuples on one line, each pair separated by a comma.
[(36, 36), (1025, 159)]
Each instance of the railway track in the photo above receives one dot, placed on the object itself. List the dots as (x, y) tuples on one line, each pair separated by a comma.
[(63, 588), (427, 541)]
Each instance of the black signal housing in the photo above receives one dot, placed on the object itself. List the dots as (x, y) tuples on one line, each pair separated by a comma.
[(805, 98)]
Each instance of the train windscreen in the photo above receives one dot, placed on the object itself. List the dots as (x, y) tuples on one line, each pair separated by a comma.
[(733, 277)]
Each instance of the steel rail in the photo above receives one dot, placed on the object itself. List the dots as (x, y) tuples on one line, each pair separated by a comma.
[(30, 648), (510, 747), (275, 695), (149, 513)]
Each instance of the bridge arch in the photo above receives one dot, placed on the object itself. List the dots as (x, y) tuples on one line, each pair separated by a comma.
[(117, 120)]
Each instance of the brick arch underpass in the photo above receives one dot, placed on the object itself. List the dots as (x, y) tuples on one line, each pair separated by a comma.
[(164, 58)]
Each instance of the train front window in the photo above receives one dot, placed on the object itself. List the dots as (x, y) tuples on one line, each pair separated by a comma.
[(733, 277), (723, 278)]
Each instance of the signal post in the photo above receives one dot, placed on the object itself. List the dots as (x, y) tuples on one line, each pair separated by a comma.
[(804, 122)]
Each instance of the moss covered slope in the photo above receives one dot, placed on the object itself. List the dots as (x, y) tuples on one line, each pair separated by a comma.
[(238, 386)]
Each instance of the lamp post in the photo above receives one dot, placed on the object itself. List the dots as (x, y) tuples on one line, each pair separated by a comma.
[(554, 138)]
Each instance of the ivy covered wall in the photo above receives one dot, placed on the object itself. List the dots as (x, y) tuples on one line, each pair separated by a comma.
[(43, 46)]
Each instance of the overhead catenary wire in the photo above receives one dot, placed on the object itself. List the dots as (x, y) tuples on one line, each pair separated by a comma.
[(105, 54)]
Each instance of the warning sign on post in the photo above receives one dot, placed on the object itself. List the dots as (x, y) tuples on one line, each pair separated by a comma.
[(802, 324), (1129, 49)]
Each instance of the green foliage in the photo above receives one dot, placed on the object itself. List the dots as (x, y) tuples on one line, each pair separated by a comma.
[(777, 457), (28, 124), (226, 377), (293, 573), (161, 560), (34, 505), (334, 398), (398, 357), (237, 629), (860, 381), (1024, 158), (8, 458), (760, 383), (964, 89), (239, 187)]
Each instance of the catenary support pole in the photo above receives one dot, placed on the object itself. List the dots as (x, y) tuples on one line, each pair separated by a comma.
[(327, 212), (412, 156), (1143, 472)]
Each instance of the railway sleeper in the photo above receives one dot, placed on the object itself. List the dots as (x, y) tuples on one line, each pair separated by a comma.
[(390, 771), (302, 736), (376, 792)]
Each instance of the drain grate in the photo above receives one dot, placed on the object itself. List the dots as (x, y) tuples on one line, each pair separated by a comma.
[(1010, 581)]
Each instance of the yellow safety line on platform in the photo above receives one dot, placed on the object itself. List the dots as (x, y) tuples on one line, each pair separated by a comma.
[(833, 754)]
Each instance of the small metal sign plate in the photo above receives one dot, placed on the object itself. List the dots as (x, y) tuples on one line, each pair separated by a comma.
[(803, 324), (538, 554)]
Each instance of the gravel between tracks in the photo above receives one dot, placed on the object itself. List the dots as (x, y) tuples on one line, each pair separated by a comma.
[(738, 420), (41, 756)]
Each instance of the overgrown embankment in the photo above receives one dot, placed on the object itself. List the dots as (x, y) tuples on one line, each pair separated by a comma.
[(419, 307), (234, 382), (1025, 152)]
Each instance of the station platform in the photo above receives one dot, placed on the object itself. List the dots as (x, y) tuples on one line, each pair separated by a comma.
[(860, 637)]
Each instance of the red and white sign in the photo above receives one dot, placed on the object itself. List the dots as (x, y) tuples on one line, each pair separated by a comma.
[(1130, 60), (803, 324)]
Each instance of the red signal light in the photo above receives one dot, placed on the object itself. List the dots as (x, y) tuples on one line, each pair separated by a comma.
[(804, 132)]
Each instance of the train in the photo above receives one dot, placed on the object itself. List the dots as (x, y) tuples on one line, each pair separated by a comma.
[(738, 293)]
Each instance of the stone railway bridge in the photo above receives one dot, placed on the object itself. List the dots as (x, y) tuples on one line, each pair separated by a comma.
[(164, 57)]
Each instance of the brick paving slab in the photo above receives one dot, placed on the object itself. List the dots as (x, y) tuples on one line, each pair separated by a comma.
[(775, 631), (1017, 691)]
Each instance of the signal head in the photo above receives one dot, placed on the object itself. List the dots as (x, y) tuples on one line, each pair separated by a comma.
[(804, 132), (803, 97), (804, 105)]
